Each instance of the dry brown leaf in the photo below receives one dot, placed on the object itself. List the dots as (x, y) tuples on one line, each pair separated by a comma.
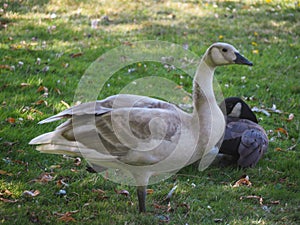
[(67, 217), (275, 202), (150, 191), (75, 55), (39, 102), (253, 197), (3, 172), (99, 191), (8, 200), (42, 88), (11, 120), (5, 192), (44, 178), (6, 67), (243, 182), (157, 206), (282, 130), (61, 182), (57, 91)]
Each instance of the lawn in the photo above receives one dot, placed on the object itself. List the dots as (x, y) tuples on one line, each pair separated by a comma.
[(47, 46)]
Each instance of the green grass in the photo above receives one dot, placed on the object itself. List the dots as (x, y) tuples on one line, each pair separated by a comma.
[(266, 32)]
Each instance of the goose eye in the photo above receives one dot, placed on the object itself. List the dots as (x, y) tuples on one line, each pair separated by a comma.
[(224, 50)]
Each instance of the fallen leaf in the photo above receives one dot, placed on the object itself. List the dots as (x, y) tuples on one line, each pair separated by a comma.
[(275, 202), (278, 149), (24, 84), (6, 67), (39, 102), (44, 178), (5, 192), (243, 182), (122, 192), (31, 194), (75, 55), (253, 197), (282, 130), (57, 91), (61, 182), (3, 172), (74, 170), (157, 206), (11, 120), (8, 200), (67, 217), (42, 88), (291, 117), (65, 104), (55, 166), (150, 191), (99, 191)]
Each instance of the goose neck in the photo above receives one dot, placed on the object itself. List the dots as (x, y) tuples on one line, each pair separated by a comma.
[(203, 92)]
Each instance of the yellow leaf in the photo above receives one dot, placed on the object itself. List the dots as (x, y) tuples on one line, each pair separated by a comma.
[(254, 43)]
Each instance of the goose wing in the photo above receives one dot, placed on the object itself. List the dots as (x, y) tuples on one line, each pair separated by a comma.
[(245, 140), (112, 102)]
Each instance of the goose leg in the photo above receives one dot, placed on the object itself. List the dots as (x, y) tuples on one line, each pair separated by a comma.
[(141, 193)]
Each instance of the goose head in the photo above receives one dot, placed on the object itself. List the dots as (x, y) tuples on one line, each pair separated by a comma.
[(236, 107), (220, 54)]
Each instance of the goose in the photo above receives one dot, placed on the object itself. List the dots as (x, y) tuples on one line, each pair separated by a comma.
[(244, 139), (145, 136)]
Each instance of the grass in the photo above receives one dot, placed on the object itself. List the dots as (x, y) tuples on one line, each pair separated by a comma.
[(38, 40)]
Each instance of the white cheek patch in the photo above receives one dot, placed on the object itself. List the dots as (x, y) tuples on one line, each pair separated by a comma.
[(218, 57), (236, 110)]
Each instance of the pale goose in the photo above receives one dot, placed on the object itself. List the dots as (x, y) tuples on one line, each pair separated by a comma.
[(143, 135), (244, 139)]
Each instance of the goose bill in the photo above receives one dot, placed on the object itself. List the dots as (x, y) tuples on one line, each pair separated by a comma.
[(242, 60)]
